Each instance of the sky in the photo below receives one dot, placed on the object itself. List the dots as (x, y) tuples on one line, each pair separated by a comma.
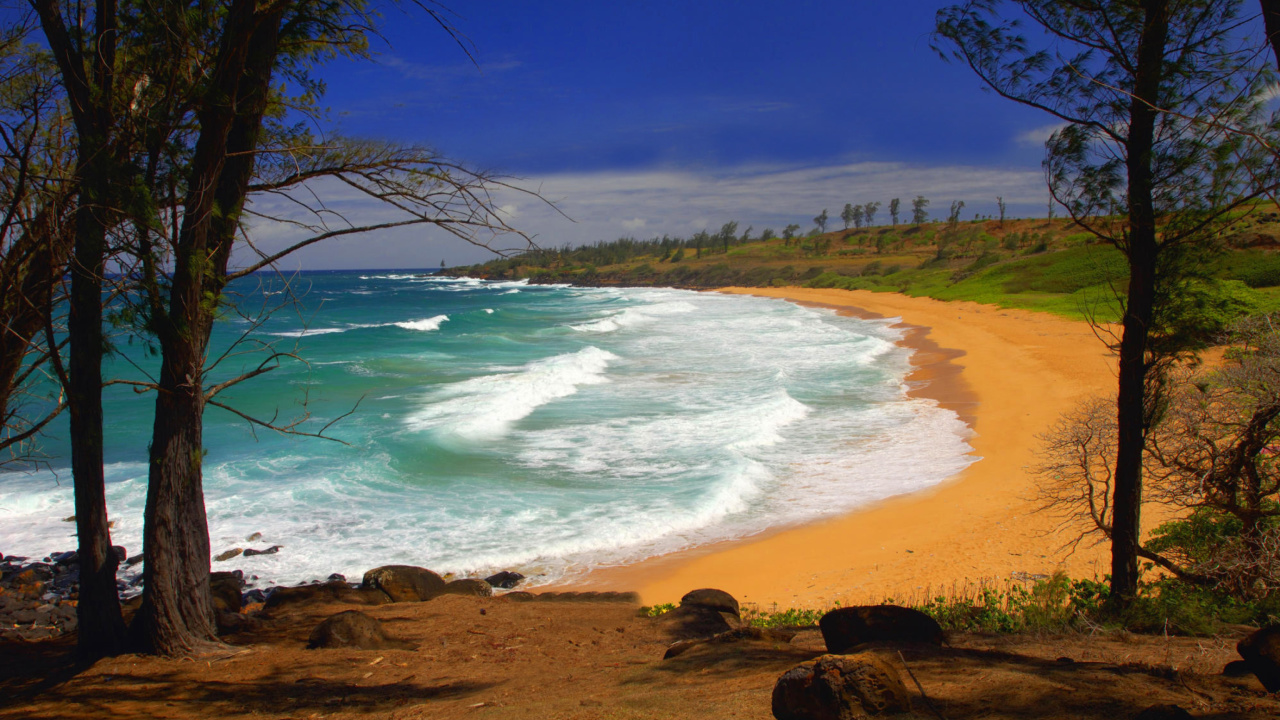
[(652, 117)]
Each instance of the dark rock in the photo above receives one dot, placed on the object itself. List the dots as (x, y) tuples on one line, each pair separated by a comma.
[(327, 592), (1261, 650), (66, 558), (404, 583), (710, 597), (135, 559), (254, 537), (227, 554), (1163, 712), (337, 577), (693, 622), (467, 586), (505, 579), (849, 627), (840, 687), (25, 616), (256, 595), (1236, 668), (250, 552), (354, 629), (121, 553), (740, 635), (226, 587), (234, 622)]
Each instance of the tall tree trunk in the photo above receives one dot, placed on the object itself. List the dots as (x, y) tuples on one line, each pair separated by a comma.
[(1271, 21), (176, 617), (1142, 249), (101, 626), (90, 91)]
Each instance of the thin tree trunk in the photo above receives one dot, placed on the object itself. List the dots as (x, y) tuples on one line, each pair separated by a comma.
[(1142, 249), (101, 626)]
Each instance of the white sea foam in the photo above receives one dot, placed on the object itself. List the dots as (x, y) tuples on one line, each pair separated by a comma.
[(635, 316), (426, 325), (676, 419), (485, 407)]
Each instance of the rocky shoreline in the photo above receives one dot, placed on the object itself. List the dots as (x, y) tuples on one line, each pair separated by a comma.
[(38, 598)]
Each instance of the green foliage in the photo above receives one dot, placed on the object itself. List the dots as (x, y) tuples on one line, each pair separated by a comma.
[(656, 610), (1254, 268), (790, 617)]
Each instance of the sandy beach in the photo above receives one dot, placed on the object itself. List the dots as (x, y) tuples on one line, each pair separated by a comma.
[(1009, 374)]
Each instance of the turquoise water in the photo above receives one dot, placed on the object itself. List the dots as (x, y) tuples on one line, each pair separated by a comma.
[(544, 429)]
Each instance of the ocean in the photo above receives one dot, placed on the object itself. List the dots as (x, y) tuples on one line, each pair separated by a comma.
[(490, 426)]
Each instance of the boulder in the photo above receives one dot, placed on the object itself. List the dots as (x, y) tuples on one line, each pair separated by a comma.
[(354, 629), (693, 622), (227, 554), (226, 587), (250, 552), (1261, 650), (505, 579), (1163, 712), (718, 600), (324, 592), (467, 586), (404, 583), (845, 628), (840, 687)]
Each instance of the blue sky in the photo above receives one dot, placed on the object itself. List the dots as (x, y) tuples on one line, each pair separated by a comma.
[(655, 116)]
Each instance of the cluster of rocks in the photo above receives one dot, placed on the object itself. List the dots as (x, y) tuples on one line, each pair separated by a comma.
[(859, 674), (38, 597)]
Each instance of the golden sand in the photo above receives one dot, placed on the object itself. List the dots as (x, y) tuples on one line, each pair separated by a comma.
[(1008, 373)]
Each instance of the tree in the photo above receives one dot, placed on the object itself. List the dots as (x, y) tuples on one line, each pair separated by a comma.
[(1210, 456), (894, 204), (869, 212), (165, 177), (1000, 206), (848, 215), (766, 235), (821, 221), (86, 58), (727, 234), (1149, 161), (919, 213), (789, 231), (35, 241), (953, 217)]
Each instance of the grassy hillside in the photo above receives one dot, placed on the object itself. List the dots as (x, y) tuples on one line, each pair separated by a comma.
[(1049, 265)]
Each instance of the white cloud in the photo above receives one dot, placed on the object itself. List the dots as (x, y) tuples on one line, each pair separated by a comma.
[(1037, 137), (679, 202)]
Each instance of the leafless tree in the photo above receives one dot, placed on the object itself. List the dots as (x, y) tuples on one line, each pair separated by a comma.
[(1214, 455)]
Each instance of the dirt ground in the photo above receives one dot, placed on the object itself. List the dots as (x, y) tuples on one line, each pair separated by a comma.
[(494, 657)]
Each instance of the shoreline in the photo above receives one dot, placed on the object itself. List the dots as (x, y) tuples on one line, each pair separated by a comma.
[(1009, 374)]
